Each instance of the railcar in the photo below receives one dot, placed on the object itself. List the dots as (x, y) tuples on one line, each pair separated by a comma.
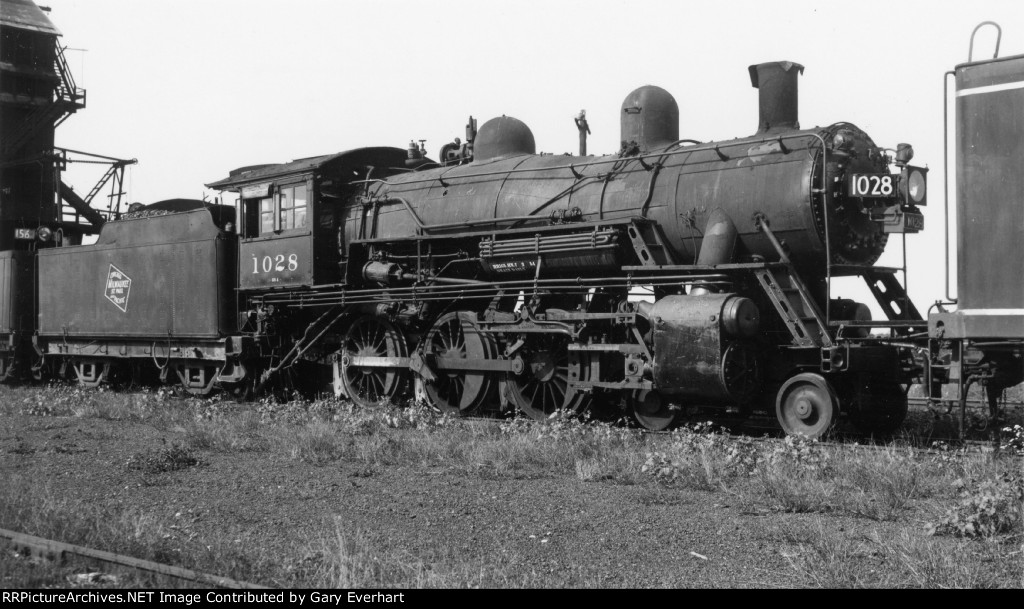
[(977, 336)]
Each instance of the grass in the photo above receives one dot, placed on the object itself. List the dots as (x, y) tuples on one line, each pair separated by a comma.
[(952, 519), (825, 558), (36, 509)]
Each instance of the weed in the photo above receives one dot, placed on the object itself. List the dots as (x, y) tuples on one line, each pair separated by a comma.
[(347, 560), (988, 508), (826, 558), (416, 415), (1014, 439), (167, 459), (880, 485), (612, 467), (23, 448), (700, 457), (795, 487), (239, 433)]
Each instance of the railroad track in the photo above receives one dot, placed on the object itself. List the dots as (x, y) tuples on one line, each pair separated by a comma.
[(762, 428), (57, 550), (920, 401)]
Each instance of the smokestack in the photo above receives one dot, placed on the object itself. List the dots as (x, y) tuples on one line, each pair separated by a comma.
[(776, 82)]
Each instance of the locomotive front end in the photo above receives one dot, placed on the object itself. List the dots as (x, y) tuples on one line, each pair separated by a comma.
[(828, 193)]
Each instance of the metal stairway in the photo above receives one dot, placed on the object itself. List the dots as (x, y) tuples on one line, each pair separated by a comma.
[(794, 304), (649, 243)]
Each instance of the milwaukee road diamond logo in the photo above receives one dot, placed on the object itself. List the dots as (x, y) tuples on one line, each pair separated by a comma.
[(119, 286)]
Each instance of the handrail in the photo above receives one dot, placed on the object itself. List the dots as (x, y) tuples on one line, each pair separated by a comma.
[(999, 37), (945, 172), (67, 79), (606, 159)]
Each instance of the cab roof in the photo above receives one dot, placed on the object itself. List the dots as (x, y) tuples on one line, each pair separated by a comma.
[(361, 157)]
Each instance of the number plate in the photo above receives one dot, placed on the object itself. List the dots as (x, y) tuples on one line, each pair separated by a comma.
[(874, 185), (902, 221), (277, 262)]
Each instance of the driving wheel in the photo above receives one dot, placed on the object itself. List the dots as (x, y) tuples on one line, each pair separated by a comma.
[(370, 385), (543, 387), (455, 336)]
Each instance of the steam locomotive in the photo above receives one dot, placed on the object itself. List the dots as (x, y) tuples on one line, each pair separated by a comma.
[(672, 276)]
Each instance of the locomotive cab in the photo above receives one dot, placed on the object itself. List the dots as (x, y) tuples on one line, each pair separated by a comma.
[(290, 216)]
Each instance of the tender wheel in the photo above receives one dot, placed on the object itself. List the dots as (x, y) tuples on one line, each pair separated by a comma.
[(197, 379), (543, 387), (8, 369), (882, 408), (91, 373), (807, 405), (370, 385), (455, 336), (651, 411)]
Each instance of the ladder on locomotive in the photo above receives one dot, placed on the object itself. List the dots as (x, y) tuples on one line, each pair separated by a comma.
[(789, 295)]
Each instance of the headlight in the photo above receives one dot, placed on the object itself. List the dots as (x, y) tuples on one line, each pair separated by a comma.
[(914, 186), (44, 233)]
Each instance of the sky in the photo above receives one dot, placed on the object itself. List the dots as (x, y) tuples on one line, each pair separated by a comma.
[(193, 89)]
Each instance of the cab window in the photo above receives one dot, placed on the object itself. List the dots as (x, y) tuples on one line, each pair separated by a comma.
[(284, 210), (292, 205), (266, 215)]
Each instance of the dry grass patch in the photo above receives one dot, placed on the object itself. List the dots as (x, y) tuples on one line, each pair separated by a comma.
[(825, 557), (347, 560), (35, 509)]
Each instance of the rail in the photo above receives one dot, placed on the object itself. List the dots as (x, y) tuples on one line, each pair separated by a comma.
[(56, 549)]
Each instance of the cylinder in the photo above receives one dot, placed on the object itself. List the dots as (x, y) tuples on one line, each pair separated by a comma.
[(692, 335)]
